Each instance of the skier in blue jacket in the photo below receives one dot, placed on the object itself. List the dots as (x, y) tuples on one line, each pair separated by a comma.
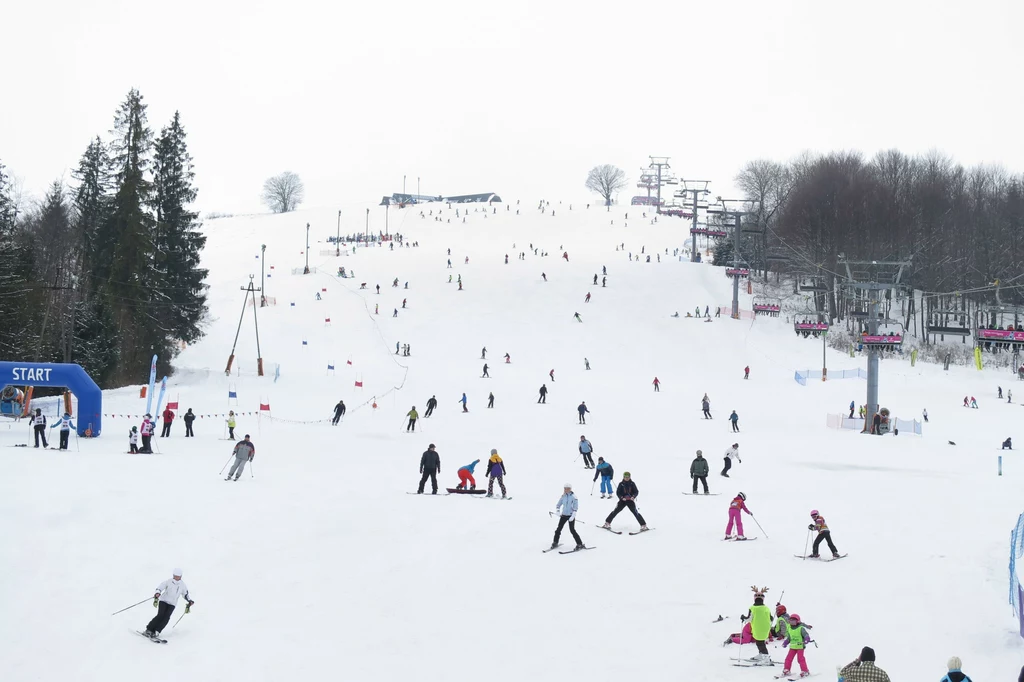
[(604, 469), (65, 425), (586, 449), (566, 507)]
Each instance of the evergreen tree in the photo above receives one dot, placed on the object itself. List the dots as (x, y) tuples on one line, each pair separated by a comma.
[(92, 202), (17, 286), (178, 242)]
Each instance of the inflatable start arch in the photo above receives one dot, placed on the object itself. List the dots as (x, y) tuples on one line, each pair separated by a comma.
[(57, 375)]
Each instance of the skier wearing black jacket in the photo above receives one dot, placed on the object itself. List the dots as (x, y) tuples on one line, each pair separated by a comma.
[(430, 467), (627, 494), (431, 404), (188, 419), (339, 412)]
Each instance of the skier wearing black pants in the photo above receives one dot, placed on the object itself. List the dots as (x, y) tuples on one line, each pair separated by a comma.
[(587, 450), (566, 507), (699, 472), (543, 394), (732, 452), (431, 404), (165, 599), (39, 427), (823, 534), (188, 419), (627, 494), (339, 412), (430, 467)]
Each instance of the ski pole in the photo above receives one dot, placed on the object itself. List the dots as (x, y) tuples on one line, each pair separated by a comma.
[(226, 463), (179, 619), (592, 487), (251, 474), (132, 606), (806, 542), (759, 526)]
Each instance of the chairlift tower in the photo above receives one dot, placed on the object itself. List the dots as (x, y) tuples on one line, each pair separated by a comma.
[(878, 276), (695, 189), (659, 167), (737, 215)]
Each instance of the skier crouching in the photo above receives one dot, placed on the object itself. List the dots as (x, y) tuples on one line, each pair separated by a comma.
[(466, 480)]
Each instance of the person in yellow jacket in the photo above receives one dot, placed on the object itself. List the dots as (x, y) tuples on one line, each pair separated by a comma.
[(413, 415), (760, 626), (231, 424), (495, 472)]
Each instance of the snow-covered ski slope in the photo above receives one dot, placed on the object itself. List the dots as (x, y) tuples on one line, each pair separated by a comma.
[(319, 566)]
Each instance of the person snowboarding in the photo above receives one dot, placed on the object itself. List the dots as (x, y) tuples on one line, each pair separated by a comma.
[(431, 404), (485, 371), (39, 427), (823, 534), (133, 441), (430, 467), (735, 419), (797, 637), (464, 402), (582, 409), (65, 425), (413, 415), (577, 316), (699, 472), (566, 508), (339, 412), (705, 405), (508, 359), (627, 493), (605, 471), (495, 472), (657, 385), (231, 424), (543, 394), (746, 372), (188, 419), (760, 625), (737, 505), (587, 450), (165, 599), (730, 454), (490, 400), (168, 416), (147, 434), (1007, 444), (244, 452), (466, 476)]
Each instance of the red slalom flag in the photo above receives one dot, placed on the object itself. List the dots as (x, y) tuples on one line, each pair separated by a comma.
[(359, 384), (265, 407)]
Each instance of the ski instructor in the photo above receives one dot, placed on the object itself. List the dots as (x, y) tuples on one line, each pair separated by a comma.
[(165, 599)]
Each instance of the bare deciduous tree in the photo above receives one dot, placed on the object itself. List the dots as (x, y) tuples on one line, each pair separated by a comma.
[(606, 180), (283, 193)]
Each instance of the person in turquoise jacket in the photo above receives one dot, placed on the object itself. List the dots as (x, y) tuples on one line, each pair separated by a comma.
[(466, 475), (65, 425), (605, 471)]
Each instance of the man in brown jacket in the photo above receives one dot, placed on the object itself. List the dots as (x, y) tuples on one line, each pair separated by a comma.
[(863, 669)]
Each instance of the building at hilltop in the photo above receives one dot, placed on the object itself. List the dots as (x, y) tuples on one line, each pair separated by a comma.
[(402, 199)]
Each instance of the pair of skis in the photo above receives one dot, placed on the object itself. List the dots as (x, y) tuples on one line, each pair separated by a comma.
[(821, 558), (571, 551), (154, 639), (619, 532)]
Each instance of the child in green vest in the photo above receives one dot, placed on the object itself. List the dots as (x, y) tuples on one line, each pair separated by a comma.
[(797, 637)]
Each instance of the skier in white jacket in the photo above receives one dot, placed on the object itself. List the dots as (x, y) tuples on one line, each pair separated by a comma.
[(731, 454), (566, 508), (165, 599)]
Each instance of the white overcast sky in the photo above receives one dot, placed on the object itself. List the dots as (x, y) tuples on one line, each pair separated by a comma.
[(519, 97)]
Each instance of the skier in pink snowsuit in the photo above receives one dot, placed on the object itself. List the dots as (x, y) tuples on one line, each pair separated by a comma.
[(735, 507)]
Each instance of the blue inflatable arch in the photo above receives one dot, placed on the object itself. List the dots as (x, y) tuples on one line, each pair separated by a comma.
[(56, 375)]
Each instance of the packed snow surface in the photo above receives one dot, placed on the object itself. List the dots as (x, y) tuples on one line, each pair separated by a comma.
[(317, 565)]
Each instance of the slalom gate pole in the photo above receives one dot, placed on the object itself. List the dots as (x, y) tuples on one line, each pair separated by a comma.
[(226, 463), (805, 544), (759, 526), (132, 606)]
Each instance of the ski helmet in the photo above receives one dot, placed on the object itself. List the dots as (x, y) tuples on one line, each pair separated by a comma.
[(794, 617), (699, 453), (814, 512), (742, 497), (568, 485), (176, 573), (780, 609)]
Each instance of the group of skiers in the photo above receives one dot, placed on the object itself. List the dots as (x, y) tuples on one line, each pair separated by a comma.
[(38, 424)]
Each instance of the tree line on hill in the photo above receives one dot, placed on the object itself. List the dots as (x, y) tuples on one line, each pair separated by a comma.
[(104, 272), (961, 228)]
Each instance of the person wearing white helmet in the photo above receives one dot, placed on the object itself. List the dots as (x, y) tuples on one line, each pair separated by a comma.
[(165, 599), (567, 507)]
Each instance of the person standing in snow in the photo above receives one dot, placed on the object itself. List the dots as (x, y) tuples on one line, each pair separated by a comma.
[(188, 419), (823, 534), (413, 415), (147, 434), (863, 669), (760, 626), (797, 638), (582, 409), (730, 454), (430, 467), (627, 493), (699, 472), (483, 353), (657, 385), (65, 425), (955, 674), (466, 476), (464, 400), (552, 375), (133, 440), (543, 394), (431, 404), (39, 427), (168, 416), (587, 450), (339, 412), (735, 419), (605, 471), (586, 363), (746, 372), (851, 409), (485, 371), (495, 472), (490, 400), (165, 600), (244, 452), (706, 406), (231, 424), (737, 505), (566, 508)]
